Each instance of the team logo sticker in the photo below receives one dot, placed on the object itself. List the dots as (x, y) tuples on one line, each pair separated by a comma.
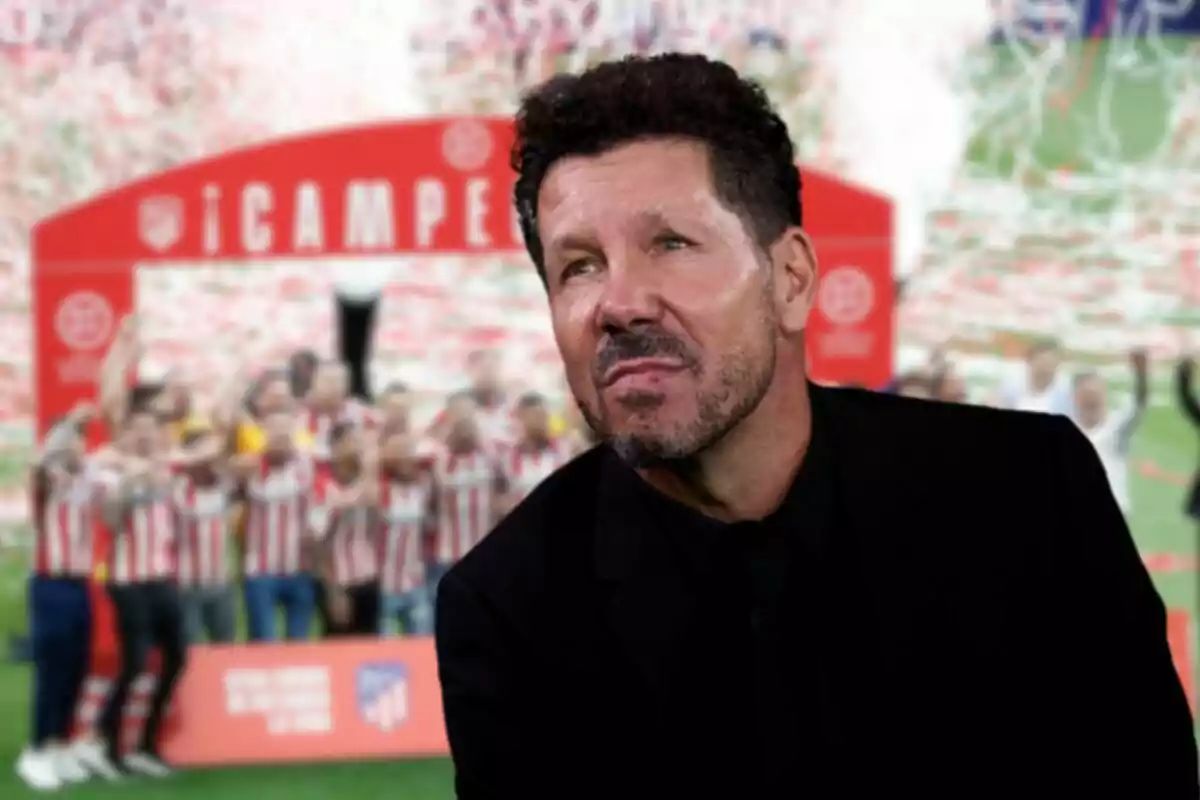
[(160, 222), (381, 692), (84, 321), (467, 144), (846, 296)]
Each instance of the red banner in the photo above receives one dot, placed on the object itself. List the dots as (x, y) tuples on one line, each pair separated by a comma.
[(850, 332)]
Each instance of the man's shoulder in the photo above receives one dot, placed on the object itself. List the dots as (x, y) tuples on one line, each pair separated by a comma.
[(546, 529), (977, 447), (951, 424)]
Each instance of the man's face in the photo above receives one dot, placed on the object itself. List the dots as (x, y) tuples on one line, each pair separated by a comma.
[(144, 434), (484, 372), (275, 397), (1043, 364), (279, 429), (1090, 398), (535, 421), (665, 310), (331, 382), (396, 406)]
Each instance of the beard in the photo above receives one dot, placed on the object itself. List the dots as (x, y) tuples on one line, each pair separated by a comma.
[(743, 380)]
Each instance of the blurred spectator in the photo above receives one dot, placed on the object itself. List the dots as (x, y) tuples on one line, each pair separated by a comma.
[(302, 367), (1111, 430), (1043, 386), (1185, 394)]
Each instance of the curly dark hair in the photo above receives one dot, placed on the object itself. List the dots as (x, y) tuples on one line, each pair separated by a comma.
[(751, 155)]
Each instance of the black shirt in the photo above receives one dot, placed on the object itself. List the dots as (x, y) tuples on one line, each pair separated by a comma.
[(758, 586)]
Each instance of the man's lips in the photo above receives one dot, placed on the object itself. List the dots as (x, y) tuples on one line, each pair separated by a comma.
[(640, 366)]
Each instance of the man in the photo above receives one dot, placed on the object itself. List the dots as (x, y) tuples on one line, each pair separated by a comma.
[(467, 485), (240, 411), (395, 407), (277, 485), (202, 498), (493, 410), (868, 642), (328, 404), (145, 600), (301, 368), (1189, 404), (405, 520), (1043, 387), (534, 456), (1111, 430), (63, 494), (492, 403), (343, 522)]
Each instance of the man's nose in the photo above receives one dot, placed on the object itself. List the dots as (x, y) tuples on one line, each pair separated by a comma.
[(631, 296)]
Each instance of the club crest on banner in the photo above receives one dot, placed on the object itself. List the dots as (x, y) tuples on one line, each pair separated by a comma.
[(846, 296), (160, 222), (84, 321), (381, 693), (466, 144)]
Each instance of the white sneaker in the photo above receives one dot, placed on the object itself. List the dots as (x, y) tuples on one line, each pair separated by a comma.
[(35, 768), (92, 757), (147, 764), (67, 766)]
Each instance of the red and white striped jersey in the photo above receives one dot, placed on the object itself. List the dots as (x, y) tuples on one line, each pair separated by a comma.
[(64, 506), (523, 466), (464, 487), (278, 500), (349, 533), (143, 546), (498, 423), (203, 531), (405, 516), (319, 425)]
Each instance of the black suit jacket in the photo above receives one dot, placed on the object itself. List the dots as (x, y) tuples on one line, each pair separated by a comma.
[(993, 632)]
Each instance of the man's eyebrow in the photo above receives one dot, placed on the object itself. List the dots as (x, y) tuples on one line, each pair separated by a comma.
[(653, 219), (571, 241)]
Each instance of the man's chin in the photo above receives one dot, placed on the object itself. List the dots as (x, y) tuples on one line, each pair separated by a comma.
[(647, 450)]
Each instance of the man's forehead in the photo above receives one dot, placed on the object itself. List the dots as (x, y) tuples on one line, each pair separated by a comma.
[(637, 182), (590, 217)]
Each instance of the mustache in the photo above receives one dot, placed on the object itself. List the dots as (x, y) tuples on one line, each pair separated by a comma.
[(626, 345)]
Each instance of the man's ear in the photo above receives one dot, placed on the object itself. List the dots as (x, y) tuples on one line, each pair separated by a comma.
[(795, 267)]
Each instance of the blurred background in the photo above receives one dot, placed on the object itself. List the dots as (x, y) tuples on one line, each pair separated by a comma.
[(1043, 157)]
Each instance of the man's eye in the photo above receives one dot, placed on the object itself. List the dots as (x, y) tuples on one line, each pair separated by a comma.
[(670, 242), (577, 267)]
